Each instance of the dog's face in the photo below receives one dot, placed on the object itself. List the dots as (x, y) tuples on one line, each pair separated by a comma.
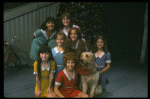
[(87, 58)]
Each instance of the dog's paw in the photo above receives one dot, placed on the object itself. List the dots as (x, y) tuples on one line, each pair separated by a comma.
[(91, 95), (98, 90)]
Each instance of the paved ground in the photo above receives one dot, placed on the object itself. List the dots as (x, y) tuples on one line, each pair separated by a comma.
[(126, 79)]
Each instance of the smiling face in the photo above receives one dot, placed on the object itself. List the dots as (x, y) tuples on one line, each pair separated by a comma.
[(100, 43), (66, 21), (73, 35), (50, 25), (44, 56), (70, 65), (59, 40)]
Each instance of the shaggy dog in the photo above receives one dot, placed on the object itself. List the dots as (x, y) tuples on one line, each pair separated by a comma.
[(89, 83)]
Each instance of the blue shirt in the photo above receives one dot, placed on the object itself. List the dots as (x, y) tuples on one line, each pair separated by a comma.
[(58, 56), (102, 59)]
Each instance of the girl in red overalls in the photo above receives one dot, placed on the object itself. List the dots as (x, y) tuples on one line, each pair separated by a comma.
[(65, 85)]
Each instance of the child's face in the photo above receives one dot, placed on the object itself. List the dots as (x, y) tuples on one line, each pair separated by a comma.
[(44, 56), (70, 65), (59, 40), (65, 21), (73, 35), (50, 25), (100, 43)]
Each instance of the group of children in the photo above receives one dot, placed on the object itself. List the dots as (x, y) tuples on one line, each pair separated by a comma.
[(56, 69)]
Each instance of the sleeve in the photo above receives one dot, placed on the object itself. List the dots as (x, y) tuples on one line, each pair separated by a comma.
[(59, 79), (38, 33), (35, 67), (53, 67), (76, 26), (108, 58)]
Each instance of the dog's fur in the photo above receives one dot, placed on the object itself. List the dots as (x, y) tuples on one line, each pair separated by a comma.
[(90, 82)]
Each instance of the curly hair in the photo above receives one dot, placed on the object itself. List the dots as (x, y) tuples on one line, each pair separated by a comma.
[(70, 56)]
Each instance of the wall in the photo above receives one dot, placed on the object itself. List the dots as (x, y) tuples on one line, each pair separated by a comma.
[(23, 22)]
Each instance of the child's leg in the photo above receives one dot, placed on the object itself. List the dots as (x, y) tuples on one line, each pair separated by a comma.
[(52, 95), (102, 81), (81, 95)]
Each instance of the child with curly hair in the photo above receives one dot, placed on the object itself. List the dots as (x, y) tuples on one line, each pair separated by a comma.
[(65, 85)]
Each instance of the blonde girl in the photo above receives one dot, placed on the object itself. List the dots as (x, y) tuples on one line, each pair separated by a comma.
[(59, 51)]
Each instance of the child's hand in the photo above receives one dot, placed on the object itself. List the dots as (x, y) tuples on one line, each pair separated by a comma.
[(96, 65), (77, 27), (38, 93), (49, 90), (100, 72)]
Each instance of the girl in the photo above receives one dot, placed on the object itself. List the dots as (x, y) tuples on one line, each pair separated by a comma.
[(42, 36), (76, 42), (103, 59), (65, 85), (66, 23), (44, 70), (58, 52)]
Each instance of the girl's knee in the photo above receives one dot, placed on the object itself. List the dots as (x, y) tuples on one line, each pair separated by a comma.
[(85, 96), (52, 95)]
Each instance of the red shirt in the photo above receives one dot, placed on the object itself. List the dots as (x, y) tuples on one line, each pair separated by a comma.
[(68, 86)]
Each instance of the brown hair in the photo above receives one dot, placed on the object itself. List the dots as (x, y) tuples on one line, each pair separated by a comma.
[(78, 31), (82, 46), (95, 49), (66, 14), (70, 56), (48, 19), (43, 49)]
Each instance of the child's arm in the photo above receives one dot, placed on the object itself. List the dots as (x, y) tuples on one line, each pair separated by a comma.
[(105, 69), (38, 93), (38, 82), (51, 77), (56, 90)]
